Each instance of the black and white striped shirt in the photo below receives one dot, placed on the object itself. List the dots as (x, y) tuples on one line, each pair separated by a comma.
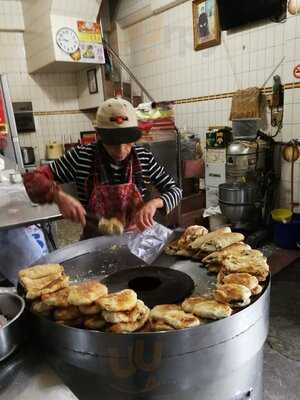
[(76, 166)]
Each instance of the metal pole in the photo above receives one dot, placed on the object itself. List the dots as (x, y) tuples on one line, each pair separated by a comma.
[(123, 65), (11, 122)]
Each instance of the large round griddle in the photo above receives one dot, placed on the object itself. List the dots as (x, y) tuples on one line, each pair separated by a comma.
[(221, 360), (153, 285)]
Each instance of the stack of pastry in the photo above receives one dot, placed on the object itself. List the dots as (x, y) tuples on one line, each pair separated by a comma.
[(201, 243), (123, 312), (241, 271), (43, 279), (168, 317), (180, 247), (194, 311), (86, 305)]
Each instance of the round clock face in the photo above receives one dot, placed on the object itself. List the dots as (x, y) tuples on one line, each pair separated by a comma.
[(67, 40)]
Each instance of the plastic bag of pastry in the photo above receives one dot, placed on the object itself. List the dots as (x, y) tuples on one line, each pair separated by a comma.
[(149, 244)]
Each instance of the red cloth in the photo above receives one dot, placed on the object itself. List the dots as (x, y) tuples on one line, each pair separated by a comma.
[(40, 185), (119, 201)]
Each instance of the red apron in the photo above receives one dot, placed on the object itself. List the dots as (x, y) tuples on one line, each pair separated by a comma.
[(120, 201)]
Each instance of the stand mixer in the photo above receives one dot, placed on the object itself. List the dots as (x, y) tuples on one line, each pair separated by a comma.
[(247, 197)]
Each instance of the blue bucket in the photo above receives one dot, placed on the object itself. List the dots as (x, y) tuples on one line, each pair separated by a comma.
[(287, 236)]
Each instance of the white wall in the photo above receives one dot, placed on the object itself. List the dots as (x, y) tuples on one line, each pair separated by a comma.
[(160, 52), (11, 15), (54, 95)]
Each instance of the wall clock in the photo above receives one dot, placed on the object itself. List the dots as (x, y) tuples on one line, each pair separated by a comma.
[(68, 41)]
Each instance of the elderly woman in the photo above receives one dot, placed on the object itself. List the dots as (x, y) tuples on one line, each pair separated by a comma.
[(111, 175)]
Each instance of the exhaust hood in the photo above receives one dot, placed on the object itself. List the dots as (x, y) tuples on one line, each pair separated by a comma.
[(61, 35)]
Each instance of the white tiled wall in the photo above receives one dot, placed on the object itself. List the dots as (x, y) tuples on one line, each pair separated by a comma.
[(11, 15), (87, 100), (48, 92), (86, 9), (160, 52)]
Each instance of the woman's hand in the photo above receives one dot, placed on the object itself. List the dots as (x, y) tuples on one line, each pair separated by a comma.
[(144, 218), (70, 208)]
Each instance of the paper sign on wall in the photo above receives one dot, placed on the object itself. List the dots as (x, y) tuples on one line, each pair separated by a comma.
[(80, 41)]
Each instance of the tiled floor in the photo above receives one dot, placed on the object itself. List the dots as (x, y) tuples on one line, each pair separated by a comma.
[(282, 350)]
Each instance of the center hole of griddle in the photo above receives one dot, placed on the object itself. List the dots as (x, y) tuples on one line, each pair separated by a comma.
[(144, 283)]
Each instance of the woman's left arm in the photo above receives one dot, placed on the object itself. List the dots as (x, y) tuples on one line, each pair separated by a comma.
[(170, 193)]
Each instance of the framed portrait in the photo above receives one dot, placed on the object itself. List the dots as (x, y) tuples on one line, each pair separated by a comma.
[(92, 81), (206, 24)]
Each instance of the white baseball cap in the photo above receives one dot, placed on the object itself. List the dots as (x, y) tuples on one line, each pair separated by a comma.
[(116, 122)]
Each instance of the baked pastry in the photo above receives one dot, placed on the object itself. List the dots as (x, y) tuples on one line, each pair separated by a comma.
[(91, 309), (218, 256), (95, 323), (234, 294), (54, 286), (126, 327), (197, 244), (191, 234), (39, 271), (66, 313), (125, 316), (76, 323), (205, 308), (158, 326), (120, 301), (221, 241), (251, 282), (111, 226), (180, 247), (172, 248), (256, 266), (174, 316), (86, 293), (56, 299), (41, 308), (39, 283)]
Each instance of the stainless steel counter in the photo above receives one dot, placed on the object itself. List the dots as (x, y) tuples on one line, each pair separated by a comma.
[(19, 211), (25, 376)]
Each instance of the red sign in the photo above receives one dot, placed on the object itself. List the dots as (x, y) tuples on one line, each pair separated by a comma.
[(297, 71)]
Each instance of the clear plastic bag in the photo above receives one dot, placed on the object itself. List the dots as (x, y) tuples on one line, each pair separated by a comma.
[(149, 244), (19, 248)]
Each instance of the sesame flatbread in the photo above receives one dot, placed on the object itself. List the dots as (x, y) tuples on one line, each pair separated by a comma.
[(121, 301), (86, 293), (39, 271), (205, 308)]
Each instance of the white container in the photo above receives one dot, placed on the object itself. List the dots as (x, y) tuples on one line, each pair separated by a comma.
[(216, 156), (217, 222), (215, 174), (212, 196)]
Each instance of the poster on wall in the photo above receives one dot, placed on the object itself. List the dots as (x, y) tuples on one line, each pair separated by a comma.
[(206, 24), (80, 41)]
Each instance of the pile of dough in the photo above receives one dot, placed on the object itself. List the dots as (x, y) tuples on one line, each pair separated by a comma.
[(111, 226)]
